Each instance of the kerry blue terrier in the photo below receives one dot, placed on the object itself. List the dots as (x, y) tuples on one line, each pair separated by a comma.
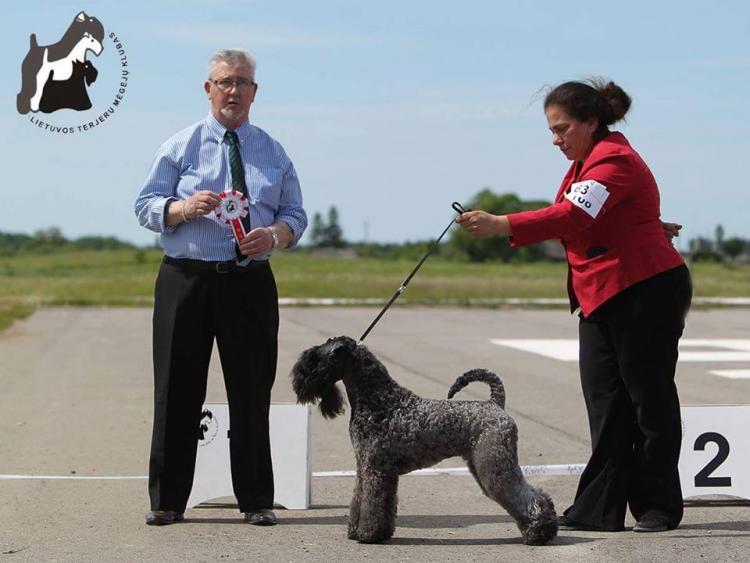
[(393, 431)]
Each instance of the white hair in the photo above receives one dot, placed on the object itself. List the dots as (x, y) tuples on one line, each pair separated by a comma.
[(232, 57)]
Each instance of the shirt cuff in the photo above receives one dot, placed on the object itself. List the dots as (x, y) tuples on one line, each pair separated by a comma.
[(159, 211), (520, 230), (295, 227)]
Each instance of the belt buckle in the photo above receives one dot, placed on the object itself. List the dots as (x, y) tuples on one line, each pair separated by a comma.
[(224, 267)]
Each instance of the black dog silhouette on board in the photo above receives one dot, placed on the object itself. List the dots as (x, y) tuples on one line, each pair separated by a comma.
[(70, 93), (60, 72), (204, 425)]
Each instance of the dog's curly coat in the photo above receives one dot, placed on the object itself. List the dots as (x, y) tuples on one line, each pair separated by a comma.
[(393, 431)]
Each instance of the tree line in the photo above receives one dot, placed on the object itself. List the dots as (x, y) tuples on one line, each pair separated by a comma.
[(719, 248), (326, 233), (51, 240)]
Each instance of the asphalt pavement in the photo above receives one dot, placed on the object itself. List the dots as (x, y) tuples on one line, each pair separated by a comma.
[(76, 401)]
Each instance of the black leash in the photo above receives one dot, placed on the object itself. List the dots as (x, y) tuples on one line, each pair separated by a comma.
[(458, 208)]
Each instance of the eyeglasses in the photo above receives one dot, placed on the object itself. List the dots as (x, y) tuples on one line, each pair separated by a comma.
[(226, 84)]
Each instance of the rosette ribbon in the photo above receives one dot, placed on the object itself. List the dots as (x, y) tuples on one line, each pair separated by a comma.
[(232, 209)]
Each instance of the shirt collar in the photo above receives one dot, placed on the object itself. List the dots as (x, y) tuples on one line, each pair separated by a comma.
[(217, 129)]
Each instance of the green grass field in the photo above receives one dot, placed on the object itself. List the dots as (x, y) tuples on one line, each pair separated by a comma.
[(126, 278)]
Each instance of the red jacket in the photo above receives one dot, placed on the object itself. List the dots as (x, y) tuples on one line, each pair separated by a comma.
[(607, 214)]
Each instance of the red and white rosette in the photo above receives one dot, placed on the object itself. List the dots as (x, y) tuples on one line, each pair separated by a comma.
[(232, 209)]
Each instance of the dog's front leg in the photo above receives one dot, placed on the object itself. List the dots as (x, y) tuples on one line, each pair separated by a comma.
[(353, 531), (378, 504)]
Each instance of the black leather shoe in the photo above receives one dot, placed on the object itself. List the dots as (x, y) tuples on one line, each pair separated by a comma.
[(651, 522), (163, 517), (262, 517), (565, 523)]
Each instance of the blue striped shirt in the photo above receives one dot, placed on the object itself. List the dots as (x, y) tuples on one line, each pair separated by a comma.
[(197, 158)]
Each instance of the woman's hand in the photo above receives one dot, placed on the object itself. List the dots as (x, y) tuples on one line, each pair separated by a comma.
[(671, 230), (483, 224)]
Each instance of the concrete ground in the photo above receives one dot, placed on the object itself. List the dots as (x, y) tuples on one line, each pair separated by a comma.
[(76, 400)]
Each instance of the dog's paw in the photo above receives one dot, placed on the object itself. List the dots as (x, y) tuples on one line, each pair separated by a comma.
[(540, 533), (377, 536)]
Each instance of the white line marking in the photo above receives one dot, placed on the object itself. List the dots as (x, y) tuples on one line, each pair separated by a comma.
[(334, 301), (733, 373), (351, 473), (744, 301), (327, 301), (566, 469), (566, 350), (73, 477)]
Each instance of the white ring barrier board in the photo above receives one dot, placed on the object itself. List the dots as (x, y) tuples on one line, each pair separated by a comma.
[(714, 459), (290, 451), (715, 454)]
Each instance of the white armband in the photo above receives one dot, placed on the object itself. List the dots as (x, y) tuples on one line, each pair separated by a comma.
[(589, 195)]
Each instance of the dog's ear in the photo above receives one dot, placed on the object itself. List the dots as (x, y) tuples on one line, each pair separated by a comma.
[(331, 401), (339, 344), (304, 380)]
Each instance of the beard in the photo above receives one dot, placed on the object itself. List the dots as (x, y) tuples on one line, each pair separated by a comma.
[(231, 113)]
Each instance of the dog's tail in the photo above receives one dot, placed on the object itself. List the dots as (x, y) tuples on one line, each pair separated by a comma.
[(497, 390)]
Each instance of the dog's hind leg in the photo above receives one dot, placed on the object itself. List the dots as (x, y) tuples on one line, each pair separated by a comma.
[(378, 505), (473, 471), (497, 469), (354, 508)]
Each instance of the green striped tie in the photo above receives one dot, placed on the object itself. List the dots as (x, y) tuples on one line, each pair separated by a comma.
[(238, 179)]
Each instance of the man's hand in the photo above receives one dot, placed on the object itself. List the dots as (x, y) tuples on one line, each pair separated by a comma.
[(257, 242), (200, 203)]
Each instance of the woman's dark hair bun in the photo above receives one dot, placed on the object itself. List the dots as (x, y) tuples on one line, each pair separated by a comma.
[(616, 101), (595, 97)]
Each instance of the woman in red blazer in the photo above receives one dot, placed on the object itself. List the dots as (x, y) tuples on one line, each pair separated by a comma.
[(633, 291)]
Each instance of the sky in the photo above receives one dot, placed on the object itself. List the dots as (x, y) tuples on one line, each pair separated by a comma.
[(389, 110)]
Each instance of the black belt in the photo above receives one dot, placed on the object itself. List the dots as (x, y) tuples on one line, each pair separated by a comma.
[(227, 267)]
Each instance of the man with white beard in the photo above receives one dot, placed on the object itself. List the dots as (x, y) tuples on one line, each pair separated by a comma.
[(216, 282)]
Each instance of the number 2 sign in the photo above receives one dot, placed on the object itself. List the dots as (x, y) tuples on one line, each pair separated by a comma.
[(715, 455)]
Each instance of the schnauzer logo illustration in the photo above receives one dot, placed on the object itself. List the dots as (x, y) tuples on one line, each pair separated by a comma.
[(209, 428), (56, 76)]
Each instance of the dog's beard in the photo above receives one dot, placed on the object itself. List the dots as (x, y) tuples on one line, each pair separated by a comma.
[(331, 402)]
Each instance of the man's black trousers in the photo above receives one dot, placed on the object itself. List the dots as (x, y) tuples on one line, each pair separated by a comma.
[(628, 353), (194, 304)]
